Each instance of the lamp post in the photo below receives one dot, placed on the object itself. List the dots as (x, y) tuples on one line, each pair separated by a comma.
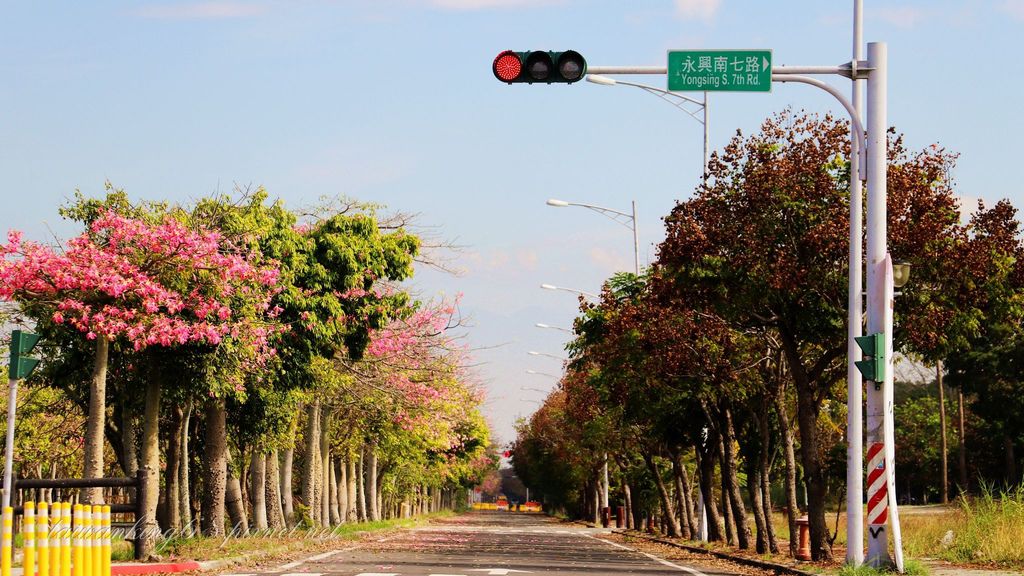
[(542, 325), (680, 101), (573, 290), (535, 353), (542, 374), (626, 219)]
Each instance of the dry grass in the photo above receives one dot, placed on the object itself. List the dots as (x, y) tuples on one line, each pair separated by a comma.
[(203, 548)]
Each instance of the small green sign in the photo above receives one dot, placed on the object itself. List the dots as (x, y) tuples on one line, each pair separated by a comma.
[(720, 70), (21, 364)]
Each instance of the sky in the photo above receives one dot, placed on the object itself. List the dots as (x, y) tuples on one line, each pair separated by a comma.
[(394, 102)]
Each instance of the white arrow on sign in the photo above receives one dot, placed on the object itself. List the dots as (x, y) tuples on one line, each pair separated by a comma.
[(500, 571), (764, 64)]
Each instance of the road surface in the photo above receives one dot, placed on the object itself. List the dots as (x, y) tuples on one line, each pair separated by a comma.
[(482, 543)]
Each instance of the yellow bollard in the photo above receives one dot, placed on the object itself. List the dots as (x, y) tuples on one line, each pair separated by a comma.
[(65, 539), (106, 542), (43, 538), (6, 539), (87, 540), (28, 539), (97, 540), (55, 522), (76, 541)]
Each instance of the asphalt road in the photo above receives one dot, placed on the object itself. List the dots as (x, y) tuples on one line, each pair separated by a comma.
[(481, 543)]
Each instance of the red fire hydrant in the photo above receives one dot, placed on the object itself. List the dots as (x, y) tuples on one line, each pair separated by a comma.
[(804, 550)]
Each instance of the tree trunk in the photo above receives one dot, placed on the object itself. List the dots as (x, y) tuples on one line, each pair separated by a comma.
[(286, 476), (275, 512), (766, 487), (706, 464), (94, 425), (666, 503), (172, 490), (361, 486), (310, 474), (336, 513), (184, 473), (129, 440), (814, 475), (942, 427), (341, 474), (727, 517), (792, 507), (151, 456), (687, 526), (627, 495), (350, 480), (371, 480), (962, 447), (233, 499), (258, 488), (733, 483), (215, 468), (325, 466), (757, 505)]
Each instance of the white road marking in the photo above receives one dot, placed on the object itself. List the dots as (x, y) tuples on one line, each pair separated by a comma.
[(499, 571), (688, 570), (315, 558), (304, 574), (377, 574), (237, 575)]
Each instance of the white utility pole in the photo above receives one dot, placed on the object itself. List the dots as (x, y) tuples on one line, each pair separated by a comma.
[(877, 471), (854, 383)]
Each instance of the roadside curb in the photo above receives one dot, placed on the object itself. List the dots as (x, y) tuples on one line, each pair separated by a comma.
[(155, 568), (754, 563)]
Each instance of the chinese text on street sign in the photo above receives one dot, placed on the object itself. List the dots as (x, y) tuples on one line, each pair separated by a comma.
[(720, 70)]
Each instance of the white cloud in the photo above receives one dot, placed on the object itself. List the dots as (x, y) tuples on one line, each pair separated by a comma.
[(610, 261), (1014, 8), (527, 259), (697, 9), (202, 10), (489, 4), (903, 16)]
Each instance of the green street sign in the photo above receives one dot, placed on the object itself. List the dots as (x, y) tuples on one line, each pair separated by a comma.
[(872, 367), (720, 70), (21, 364)]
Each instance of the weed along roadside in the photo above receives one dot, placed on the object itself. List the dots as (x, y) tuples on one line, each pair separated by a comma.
[(91, 547)]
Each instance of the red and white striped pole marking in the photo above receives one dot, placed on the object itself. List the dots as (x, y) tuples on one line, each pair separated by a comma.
[(878, 494)]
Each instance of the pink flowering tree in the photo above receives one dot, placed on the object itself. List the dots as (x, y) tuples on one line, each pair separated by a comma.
[(417, 403), (146, 282)]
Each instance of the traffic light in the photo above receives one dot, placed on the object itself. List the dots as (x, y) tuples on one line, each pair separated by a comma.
[(539, 66), (873, 365), (21, 365)]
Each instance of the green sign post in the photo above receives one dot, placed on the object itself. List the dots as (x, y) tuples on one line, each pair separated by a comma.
[(720, 70)]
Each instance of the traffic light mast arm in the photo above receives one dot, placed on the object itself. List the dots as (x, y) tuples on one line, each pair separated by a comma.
[(842, 70)]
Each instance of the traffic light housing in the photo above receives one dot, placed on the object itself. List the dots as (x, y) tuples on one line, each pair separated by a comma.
[(539, 66), (21, 364), (873, 366)]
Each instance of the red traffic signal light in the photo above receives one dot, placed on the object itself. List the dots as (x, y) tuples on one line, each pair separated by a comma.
[(539, 66)]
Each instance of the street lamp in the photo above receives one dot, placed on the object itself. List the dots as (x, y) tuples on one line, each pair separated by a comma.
[(536, 373), (542, 325), (676, 99), (626, 219), (573, 290), (900, 273), (535, 353)]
